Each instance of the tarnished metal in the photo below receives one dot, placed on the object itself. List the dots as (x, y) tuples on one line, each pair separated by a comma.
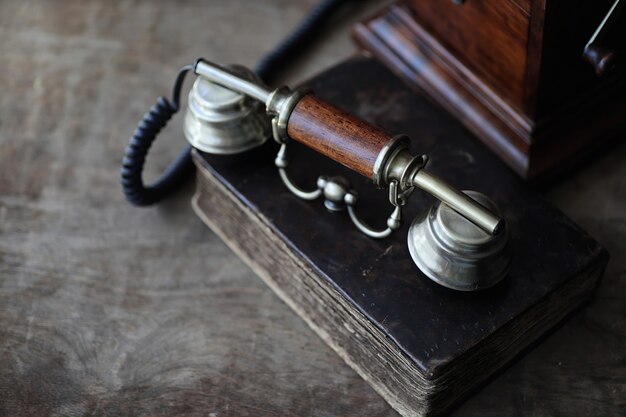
[(338, 195), (393, 223), (232, 80), (456, 253), (282, 162), (280, 103), (395, 163), (611, 14), (224, 122), (461, 203)]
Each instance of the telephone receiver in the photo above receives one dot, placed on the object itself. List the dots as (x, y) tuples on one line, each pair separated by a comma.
[(460, 243)]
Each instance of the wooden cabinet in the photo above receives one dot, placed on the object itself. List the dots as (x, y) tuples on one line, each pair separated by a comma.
[(511, 70)]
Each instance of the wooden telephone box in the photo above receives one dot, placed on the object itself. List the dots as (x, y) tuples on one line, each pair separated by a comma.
[(512, 71)]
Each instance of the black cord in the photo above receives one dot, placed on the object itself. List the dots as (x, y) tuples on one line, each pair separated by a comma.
[(155, 120), (293, 44), (135, 155)]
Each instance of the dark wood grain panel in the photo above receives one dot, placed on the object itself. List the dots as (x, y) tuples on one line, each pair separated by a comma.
[(488, 36), (342, 137), (567, 113), (524, 5)]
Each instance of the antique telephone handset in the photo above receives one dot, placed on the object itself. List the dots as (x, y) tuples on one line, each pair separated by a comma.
[(461, 243)]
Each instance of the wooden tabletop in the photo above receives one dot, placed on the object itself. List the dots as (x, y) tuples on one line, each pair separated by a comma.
[(106, 309)]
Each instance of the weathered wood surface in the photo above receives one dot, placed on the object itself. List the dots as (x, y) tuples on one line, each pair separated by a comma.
[(110, 310)]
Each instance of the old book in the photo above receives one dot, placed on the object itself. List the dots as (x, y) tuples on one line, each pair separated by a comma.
[(421, 346)]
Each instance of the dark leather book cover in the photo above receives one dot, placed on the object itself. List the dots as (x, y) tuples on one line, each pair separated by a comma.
[(421, 346)]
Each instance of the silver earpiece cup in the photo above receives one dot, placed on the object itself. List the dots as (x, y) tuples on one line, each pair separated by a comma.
[(223, 122), (454, 252)]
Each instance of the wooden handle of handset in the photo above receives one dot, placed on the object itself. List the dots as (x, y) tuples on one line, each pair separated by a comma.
[(336, 134)]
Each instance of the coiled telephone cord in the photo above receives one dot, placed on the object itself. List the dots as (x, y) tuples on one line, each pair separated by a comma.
[(139, 194)]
